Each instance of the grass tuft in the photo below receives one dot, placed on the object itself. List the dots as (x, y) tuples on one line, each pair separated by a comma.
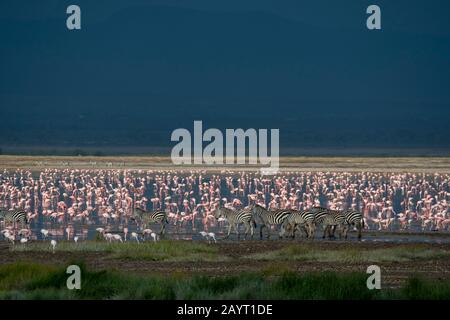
[(31, 281)]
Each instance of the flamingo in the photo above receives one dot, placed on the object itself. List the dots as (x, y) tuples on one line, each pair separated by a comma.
[(117, 237), (125, 232), (134, 235), (53, 244), (212, 235)]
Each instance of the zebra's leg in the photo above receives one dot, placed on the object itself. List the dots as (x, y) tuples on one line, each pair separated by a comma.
[(163, 229), (292, 231), (331, 231), (236, 227), (325, 231), (304, 230), (230, 225), (346, 227), (281, 233), (312, 231), (268, 231), (309, 230), (260, 231), (359, 226), (247, 228)]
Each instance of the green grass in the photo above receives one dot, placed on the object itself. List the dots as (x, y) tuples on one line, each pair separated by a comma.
[(32, 281), (189, 251), (303, 252), (160, 251)]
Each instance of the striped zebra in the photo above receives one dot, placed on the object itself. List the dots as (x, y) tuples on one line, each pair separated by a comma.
[(328, 219), (353, 218), (299, 219), (236, 217), (14, 216), (147, 217), (267, 218)]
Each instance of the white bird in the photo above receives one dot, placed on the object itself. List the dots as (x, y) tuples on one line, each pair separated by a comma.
[(53, 244), (11, 238), (6, 233), (108, 236), (100, 230), (23, 240), (44, 232), (154, 236), (135, 236), (212, 235), (24, 232), (117, 237), (68, 233), (75, 239), (204, 234), (146, 232), (125, 232)]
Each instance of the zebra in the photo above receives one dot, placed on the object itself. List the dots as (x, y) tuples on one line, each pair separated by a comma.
[(299, 219), (14, 216), (353, 218), (328, 218), (235, 218), (267, 218), (146, 217)]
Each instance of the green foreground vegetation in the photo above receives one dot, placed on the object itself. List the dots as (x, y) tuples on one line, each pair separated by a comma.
[(190, 251), (34, 281), (170, 251)]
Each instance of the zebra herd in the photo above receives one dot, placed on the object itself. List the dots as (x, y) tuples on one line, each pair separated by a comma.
[(290, 221)]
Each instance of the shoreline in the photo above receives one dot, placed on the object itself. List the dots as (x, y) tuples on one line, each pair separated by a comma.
[(287, 164)]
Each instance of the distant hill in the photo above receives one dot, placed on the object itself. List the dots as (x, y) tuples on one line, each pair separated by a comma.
[(132, 78)]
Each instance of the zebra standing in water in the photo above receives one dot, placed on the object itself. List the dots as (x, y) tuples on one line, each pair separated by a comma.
[(14, 216), (328, 219), (299, 219), (146, 217), (267, 218), (236, 217)]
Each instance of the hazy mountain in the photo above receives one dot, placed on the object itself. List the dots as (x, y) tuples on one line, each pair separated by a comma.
[(132, 76)]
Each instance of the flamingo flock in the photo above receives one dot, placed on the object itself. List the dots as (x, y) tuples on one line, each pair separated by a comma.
[(68, 204)]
